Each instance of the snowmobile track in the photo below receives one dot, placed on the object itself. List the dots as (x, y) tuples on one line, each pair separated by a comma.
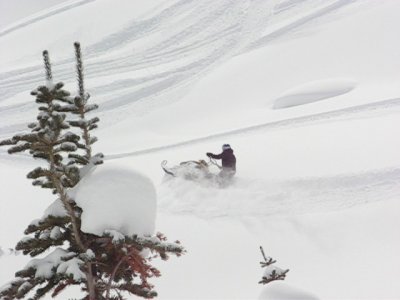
[(207, 38), (349, 112)]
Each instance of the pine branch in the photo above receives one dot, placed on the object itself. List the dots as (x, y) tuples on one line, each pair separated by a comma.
[(49, 222), (8, 142), (79, 158), (39, 172), (62, 285), (19, 148), (158, 244), (44, 290), (36, 246), (91, 107), (16, 289), (275, 274), (112, 276), (267, 260), (136, 289)]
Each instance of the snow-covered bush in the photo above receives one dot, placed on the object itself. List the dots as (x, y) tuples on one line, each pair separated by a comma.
[(104, 263)]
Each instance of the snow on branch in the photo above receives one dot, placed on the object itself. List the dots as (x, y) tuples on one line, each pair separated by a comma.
[(117, 237), (47, 267), (72, 269)]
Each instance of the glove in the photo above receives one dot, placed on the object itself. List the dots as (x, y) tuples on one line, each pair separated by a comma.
[(209, 154)]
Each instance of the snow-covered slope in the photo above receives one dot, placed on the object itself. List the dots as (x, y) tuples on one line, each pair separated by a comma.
[(318, 179)]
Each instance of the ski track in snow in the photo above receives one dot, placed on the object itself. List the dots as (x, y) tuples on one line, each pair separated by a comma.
[(349, 112), (204, 38), (43, 16), (330, 7)]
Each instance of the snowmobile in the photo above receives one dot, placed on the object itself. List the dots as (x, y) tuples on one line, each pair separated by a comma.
[(193, 169)]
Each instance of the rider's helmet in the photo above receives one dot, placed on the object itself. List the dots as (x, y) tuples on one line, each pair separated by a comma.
[(225, 147)]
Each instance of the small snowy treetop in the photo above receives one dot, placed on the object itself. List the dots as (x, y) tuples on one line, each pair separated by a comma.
[(116, 199), (271, 272)]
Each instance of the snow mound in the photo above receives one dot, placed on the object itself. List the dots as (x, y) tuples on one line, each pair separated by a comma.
[(314, 91), (283, 291), (115, 198)]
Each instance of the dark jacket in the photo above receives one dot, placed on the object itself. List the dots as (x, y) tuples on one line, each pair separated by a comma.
[(227, 157)]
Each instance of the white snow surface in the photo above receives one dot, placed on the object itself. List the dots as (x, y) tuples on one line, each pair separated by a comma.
[(314, 91), (116, 198), (317, 184), (283, 291)]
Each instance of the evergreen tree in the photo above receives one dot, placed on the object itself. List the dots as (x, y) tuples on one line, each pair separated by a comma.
[(104, 266)]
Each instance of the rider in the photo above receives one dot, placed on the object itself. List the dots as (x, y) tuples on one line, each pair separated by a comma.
[(228, 161)]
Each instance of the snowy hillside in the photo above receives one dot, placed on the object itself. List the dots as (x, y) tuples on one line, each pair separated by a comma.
[(307, 93)]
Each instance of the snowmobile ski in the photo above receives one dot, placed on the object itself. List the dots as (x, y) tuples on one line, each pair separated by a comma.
[(163, 166)]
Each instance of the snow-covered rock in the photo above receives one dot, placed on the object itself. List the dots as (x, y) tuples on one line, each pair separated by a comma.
[(314, 91), (116, 198)]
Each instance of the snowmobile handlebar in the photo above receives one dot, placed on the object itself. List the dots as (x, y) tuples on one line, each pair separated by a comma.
[(214, 162)]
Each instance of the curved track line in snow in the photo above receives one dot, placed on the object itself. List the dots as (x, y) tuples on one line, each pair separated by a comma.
[(44, 16), (281, 124), (212, 32), (347, 112), (299, 22)]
